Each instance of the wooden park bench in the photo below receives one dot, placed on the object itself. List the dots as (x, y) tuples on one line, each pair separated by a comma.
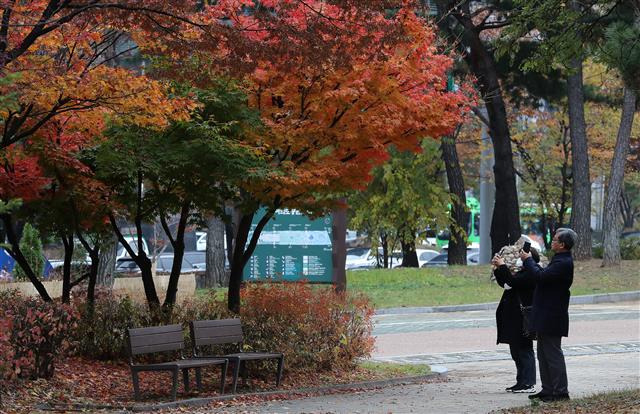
[(229, 331), (165, 339)]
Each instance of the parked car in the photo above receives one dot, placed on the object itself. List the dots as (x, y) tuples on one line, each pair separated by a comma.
[(441, 260), (126, 265), (630, 234), (201, 241), (360, 258), (424, 255), (191, 261), (133, 242)]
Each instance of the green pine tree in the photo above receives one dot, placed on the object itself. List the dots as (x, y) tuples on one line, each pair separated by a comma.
[(31, 247)]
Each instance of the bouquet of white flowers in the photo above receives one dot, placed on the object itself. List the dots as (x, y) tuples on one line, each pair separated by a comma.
[(511, 256)]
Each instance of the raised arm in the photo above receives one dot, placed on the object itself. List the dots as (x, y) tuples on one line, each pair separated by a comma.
[(558, 272), (502, 275)]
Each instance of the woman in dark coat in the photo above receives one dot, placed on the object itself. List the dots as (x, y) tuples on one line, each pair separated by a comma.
[(517, 289)]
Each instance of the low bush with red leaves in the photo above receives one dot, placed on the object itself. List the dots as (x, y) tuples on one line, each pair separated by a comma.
[(316, 328), (6, 351), (36, 333)]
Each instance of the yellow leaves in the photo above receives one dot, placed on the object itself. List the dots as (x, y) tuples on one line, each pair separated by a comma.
[(102, 91)]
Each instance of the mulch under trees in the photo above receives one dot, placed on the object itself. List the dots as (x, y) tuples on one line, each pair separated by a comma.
[(80, 381)]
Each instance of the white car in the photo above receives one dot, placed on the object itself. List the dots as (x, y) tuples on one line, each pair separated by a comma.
[(133, 242), (424, 255), (360, 258)]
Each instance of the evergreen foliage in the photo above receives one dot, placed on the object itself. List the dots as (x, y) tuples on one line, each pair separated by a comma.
[(31, 247)]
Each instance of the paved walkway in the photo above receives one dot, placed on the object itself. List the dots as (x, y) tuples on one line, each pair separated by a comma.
[(474, 387), (602, 353)]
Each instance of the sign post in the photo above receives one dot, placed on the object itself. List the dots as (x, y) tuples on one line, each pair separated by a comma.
[(339, 252)]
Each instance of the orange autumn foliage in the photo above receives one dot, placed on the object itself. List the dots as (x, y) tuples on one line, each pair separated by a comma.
[(333, 103), (58, 52)]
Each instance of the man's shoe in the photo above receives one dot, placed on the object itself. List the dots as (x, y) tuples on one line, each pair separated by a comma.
[(509, 389), (539, 396), (524, 389), (557, 397)]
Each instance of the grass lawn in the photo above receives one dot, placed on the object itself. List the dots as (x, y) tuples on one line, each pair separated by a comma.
[(393, 370), (618, 402), (454, 285)]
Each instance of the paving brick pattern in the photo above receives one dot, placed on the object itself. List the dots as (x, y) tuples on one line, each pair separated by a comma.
[(497, 355)]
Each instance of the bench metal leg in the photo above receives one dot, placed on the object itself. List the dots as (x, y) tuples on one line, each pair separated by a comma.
[(185, 379), (174, 390), (243, 370), (236, 371), (223, 376), (136, 384), (199, 378), (280, 369)]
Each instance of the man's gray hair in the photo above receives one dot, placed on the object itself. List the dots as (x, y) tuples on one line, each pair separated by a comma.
[(567, 237)]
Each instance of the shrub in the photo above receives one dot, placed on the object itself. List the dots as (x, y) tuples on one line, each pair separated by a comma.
[(31, 248), (630, 248), (39, 332), (597, 251), (316, 328), (101, 332), (6, 351)]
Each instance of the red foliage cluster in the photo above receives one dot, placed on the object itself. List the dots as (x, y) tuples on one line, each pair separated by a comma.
[(20, 175), (39, 333), (316, 328), (6, 351)]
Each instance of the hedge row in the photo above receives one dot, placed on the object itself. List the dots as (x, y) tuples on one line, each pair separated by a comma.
[(316, 328)]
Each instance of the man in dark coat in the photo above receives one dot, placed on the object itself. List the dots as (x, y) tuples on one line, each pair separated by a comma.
[(551, 313), (517, 290)]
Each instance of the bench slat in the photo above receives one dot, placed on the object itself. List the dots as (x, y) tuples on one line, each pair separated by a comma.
[(218, 340), (220, 331), (156, 339), (217, 323), (167, 346), (215, 332), (155, 329)]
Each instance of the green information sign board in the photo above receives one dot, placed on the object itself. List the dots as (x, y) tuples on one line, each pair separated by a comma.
[(291, 247)]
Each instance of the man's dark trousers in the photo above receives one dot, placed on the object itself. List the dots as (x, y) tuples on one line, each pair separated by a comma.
[(553, 371)]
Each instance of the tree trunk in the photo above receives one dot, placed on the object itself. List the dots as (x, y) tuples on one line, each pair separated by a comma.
[(409, 256), (215, 274), (457, 251), (505, 223), (16, 253), (237, 262), (627, 210), (581, 198), (384, 240), (242, 252), (93, 276), (107, 262), (67, 241), (339, 248), (142, 260), (567, 179), (231, 228), (611, 226), (178, 254)]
